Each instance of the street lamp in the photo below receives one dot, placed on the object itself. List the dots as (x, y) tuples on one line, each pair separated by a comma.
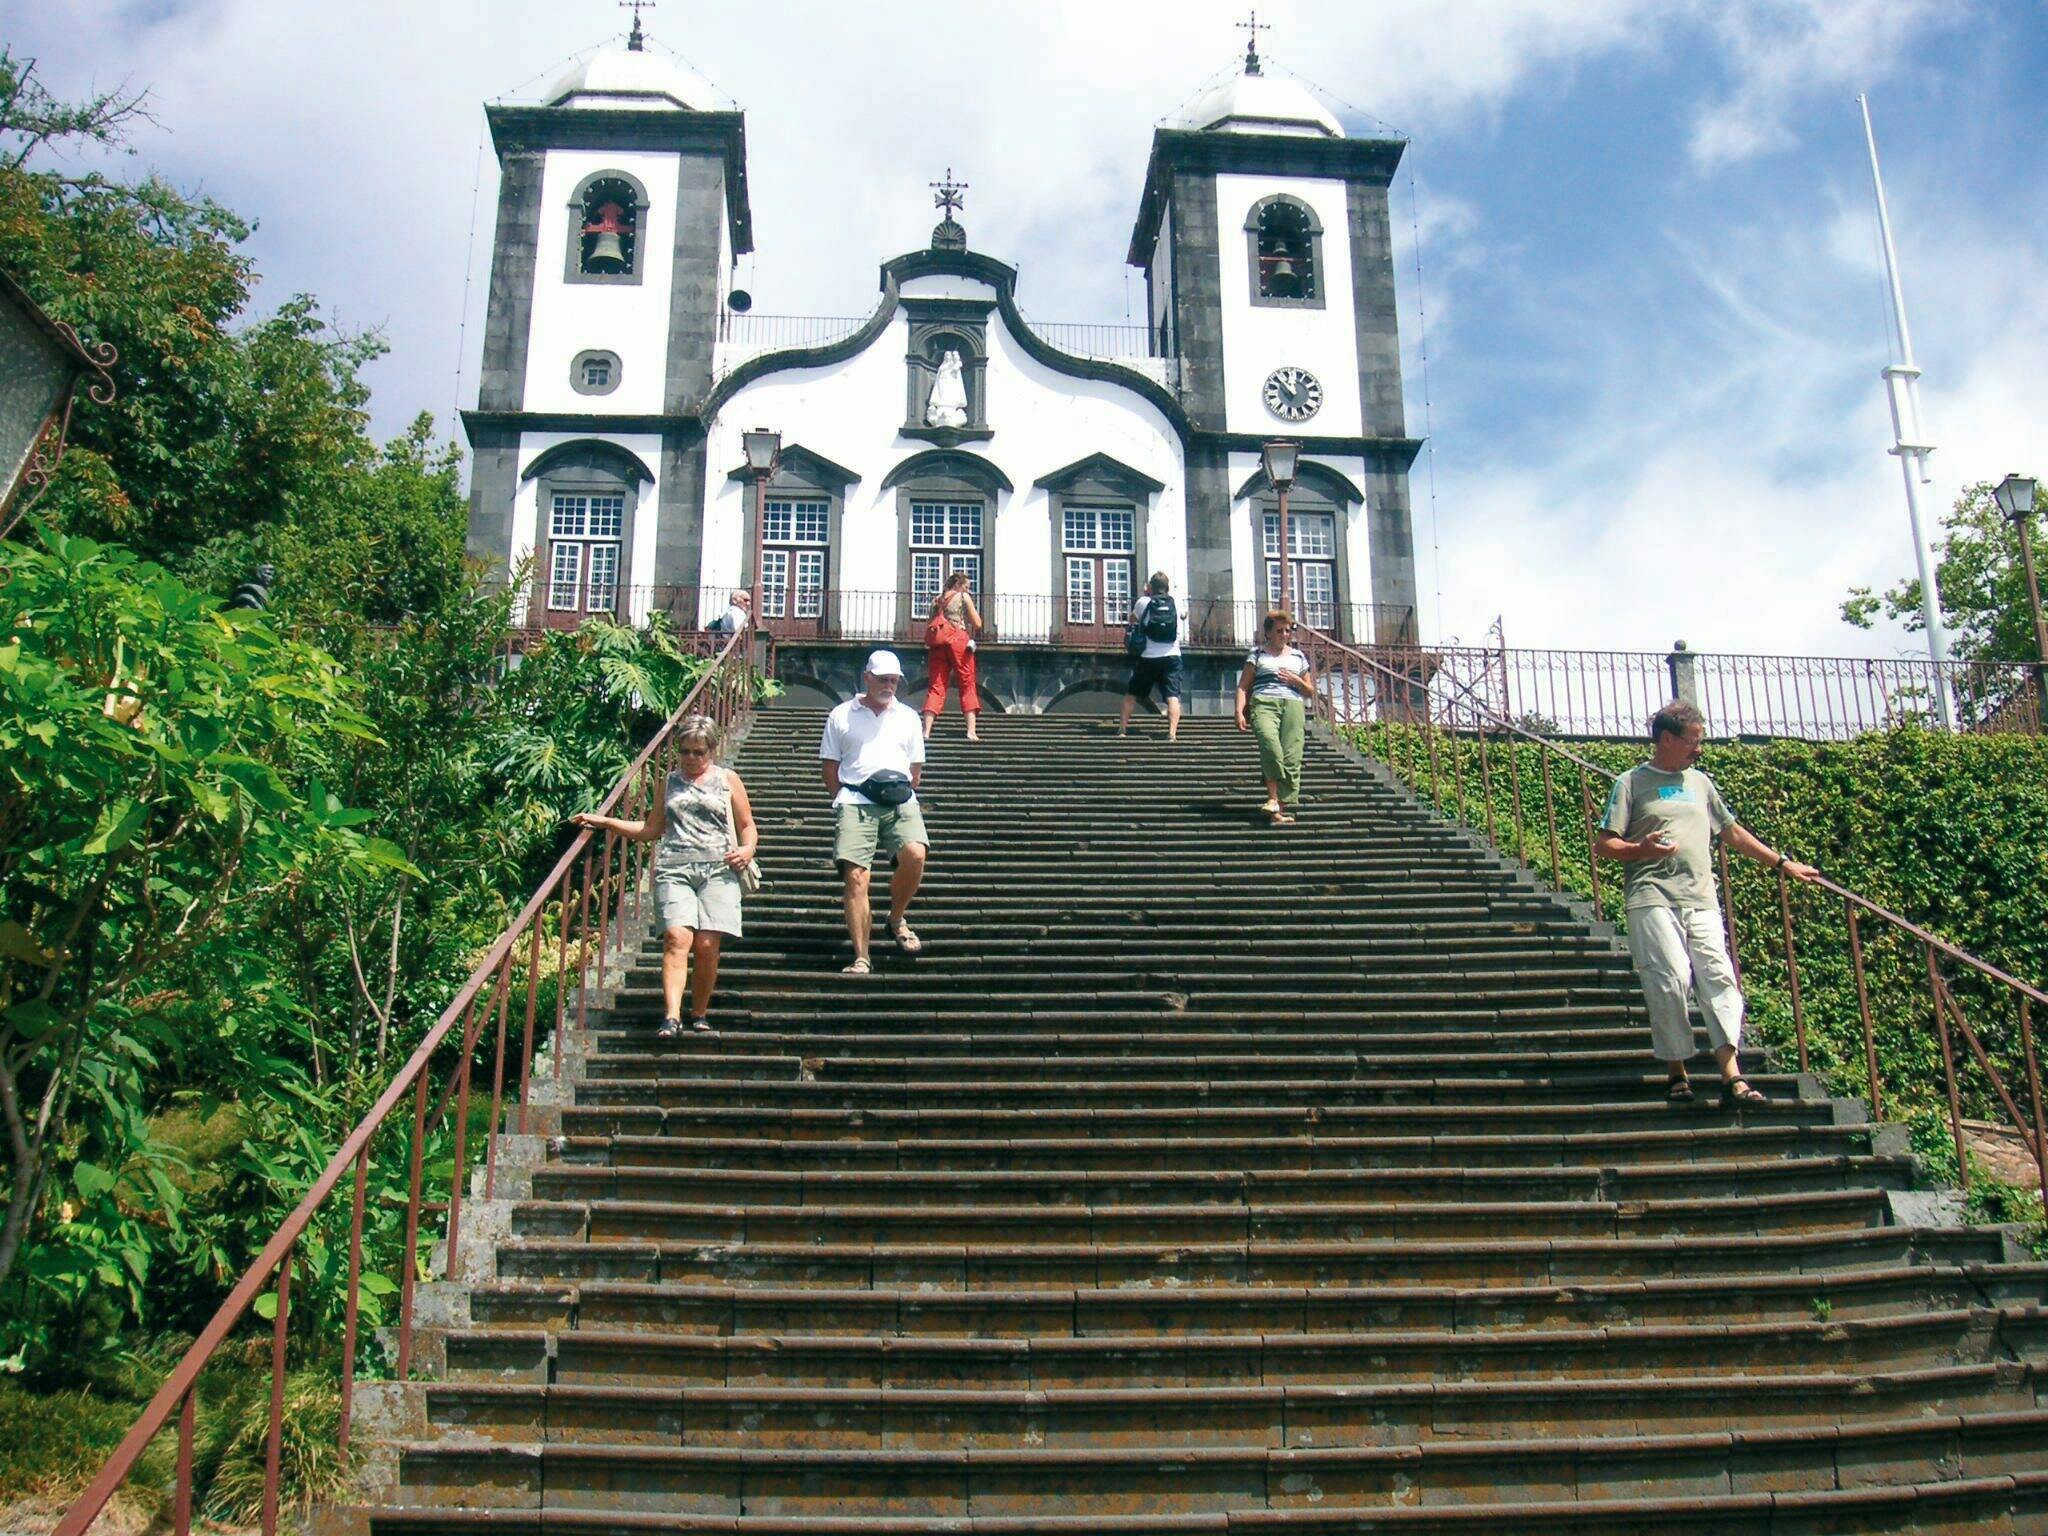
[(2015, 497), (764, 452), (1282, 458), (42, 362)]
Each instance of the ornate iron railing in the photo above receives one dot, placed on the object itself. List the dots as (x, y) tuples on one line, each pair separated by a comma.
[(1441, 735), (587, 911)]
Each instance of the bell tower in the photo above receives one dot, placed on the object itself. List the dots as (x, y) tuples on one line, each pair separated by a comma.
[(622, 204), (1265, 241)]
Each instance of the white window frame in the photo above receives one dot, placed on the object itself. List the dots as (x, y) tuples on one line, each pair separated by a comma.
[(795, 536), (945, 536), (1102, 540), (587, 528), (1311, 566)]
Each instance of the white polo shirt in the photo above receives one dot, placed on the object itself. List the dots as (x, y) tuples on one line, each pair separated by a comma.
[(862, 743)]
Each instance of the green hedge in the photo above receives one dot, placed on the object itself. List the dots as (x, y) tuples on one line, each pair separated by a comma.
[(1949, 831)]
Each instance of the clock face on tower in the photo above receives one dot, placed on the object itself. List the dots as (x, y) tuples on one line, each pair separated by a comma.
[(1293, 394)]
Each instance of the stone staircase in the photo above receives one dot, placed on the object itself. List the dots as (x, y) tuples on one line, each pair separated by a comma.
[(1201, 1175)]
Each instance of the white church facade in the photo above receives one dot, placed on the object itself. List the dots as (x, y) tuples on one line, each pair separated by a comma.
[(1058, 467)]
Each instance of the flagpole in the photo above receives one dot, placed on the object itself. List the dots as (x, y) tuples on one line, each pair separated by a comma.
[(1909, 442)]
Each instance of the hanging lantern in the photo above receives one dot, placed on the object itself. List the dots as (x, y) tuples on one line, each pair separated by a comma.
[(608, 249)]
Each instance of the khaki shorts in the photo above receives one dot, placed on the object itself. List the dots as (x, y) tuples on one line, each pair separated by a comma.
[(862, 831), (704, 898)]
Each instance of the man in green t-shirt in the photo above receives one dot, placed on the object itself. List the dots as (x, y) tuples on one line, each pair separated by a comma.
[(1660, 822)]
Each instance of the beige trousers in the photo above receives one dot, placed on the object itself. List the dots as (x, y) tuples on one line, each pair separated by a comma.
[(1677, 953)]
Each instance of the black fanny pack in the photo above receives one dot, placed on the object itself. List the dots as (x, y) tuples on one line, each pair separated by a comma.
[(885, 788)]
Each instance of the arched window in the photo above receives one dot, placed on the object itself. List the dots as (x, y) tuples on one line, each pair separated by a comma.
[(606, 220), (588, 492), (1285, 240)]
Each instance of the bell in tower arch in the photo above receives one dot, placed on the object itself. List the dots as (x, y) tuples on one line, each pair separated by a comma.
[(603, 240)]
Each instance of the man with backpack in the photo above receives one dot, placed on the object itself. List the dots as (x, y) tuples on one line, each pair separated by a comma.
[(1153, 644)]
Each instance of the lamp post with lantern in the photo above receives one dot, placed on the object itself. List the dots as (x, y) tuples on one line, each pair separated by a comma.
[(42, 363), (764, 453), (2015, 497), (1282, 457)]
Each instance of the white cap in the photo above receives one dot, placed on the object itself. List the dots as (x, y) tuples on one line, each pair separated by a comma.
[(883, 664)]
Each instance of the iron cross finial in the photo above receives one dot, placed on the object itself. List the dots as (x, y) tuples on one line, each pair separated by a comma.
[(949, 191), (1251, 47), (637, 38)]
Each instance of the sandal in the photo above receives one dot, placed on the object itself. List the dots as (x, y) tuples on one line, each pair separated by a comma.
[(671, 1029), (906, 940), (1680, 1091), (1272, 806), (702, 1024), (1740, 1090), (862, 966), (1283, 818)]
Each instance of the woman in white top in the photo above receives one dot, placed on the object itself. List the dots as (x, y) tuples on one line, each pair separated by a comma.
[(1271, 702)]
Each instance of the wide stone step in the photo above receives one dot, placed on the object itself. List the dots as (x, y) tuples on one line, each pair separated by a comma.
[(739, 1308), (1960, 1336), (1986, 1506), (677, 1092), (615, 1220), (1454, 1262), (1278, 1417), (1676, 1145), (1592, 1116), (1070, 1189), (732, 1481)]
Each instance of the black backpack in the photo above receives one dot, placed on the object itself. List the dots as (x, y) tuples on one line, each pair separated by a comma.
[(1162, 621)]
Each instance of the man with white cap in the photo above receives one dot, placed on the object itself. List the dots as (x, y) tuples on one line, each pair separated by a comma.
[(873, 755)]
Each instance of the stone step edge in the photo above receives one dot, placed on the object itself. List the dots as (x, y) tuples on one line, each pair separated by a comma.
[(1685, 1513)]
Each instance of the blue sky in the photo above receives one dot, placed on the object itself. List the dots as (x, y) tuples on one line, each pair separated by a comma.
[(1655, 312)]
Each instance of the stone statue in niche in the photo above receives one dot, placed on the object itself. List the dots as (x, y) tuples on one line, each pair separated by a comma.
[(948, 404)]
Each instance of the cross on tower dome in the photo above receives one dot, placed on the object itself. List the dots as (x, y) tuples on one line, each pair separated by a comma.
[(636, 39), (1251, 47), (948, 235)]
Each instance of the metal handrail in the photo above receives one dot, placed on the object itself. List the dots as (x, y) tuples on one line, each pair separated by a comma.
[(1350, 685), (726, 693)]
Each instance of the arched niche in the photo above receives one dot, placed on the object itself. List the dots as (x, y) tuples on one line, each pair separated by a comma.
[(607, 229), (1284, 246)]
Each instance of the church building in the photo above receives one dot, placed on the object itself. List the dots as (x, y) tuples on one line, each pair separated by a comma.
[(625, 380)]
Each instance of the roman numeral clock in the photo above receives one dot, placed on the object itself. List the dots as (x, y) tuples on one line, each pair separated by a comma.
[(1293, 394)]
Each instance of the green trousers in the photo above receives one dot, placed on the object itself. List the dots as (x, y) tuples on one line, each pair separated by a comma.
[(1279, 725)]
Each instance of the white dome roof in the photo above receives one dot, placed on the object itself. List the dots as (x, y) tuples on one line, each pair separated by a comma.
[(628, 77), (1260, 104)]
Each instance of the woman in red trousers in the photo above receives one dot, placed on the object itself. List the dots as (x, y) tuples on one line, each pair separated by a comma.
[(949, 646)]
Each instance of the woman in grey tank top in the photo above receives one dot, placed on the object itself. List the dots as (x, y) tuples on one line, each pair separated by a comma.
[(696, 868)]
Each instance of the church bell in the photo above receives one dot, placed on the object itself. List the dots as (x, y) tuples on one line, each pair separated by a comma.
[(1283, 271), (607, 226)]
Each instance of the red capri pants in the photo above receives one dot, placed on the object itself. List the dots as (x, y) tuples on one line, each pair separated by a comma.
[(951, 660)]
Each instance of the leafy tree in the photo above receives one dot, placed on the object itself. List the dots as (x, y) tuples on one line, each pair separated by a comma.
[(144, 825), (1984, 599)]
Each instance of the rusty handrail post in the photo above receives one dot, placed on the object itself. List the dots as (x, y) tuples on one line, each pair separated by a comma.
[(566, 907), (409, 1260), (464, 1066), (181, 1503), (1728, 912), (1592, 859), (1436, 798), (1485, 777), (1550, 822), (273, 1444), (502, 1006), (1515, 788), (354, 1307), (1863, 1010), (604, 906), (1991, 1072), (583, 942), (532, 998), (1457, 773), (2034, 1088), (1792, 967), (1948, 1069)]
